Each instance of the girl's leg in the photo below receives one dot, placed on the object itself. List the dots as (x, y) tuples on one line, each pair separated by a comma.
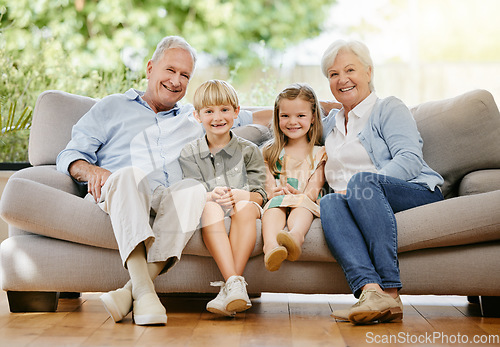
[(216, 239), (273, 221), (243, 234), (299, 222)]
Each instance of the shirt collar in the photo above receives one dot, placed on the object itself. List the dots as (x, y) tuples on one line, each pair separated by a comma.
[(363, 109), (229, 149), (137, 95)]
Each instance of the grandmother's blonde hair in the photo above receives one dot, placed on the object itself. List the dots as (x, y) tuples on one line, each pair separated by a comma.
[(272, 149), (215, 93)]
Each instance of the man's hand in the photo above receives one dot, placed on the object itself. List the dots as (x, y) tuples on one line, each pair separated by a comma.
[(95, 176), (98, 176)]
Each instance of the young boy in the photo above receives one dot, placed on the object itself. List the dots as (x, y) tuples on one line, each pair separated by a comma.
[(233, 172)]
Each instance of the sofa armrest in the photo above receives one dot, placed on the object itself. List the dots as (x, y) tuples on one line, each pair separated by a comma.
[(46, 205), (481, 181), (49, 176)]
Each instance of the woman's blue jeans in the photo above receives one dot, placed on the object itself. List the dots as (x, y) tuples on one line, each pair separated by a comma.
[(360, 226)]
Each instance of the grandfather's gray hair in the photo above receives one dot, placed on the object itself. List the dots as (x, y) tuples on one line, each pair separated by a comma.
[(169, 42), (358, 48)]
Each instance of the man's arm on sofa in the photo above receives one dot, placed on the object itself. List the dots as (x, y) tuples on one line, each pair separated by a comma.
[(95, 176)]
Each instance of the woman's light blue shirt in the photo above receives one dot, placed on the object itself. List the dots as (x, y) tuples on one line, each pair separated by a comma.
[(393, 143)]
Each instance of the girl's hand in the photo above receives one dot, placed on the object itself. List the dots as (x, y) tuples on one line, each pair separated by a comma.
[(276, 191), (291, 190)]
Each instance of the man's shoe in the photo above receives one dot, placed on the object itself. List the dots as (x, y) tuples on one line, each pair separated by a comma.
[(373, 306), (217, 305), (237, 299), (148, 310), (118, 303)]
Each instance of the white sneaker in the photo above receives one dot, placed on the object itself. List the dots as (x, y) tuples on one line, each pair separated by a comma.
[(237, 299), (217, 305)]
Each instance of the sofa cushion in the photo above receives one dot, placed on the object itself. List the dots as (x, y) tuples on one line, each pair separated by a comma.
[(461, 135), (54, 115), (457, 221), (481, 181)]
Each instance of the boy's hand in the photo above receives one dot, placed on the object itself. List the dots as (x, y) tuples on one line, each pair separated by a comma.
[(217, 194)]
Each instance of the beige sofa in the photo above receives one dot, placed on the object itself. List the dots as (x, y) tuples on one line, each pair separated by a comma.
[(61, 243)]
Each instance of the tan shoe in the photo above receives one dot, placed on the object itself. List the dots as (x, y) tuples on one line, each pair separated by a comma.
[(275, 257), (373, 306), (293, 249), (392, 316), (341, 315)]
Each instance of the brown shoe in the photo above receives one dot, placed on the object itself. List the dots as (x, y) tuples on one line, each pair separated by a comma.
[(374, 306), (275, 257), (294, 250)]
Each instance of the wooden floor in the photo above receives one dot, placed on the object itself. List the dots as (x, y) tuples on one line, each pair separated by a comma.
[(274, 320)]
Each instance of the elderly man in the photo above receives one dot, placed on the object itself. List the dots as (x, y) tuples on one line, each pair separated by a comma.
[(126, 150)]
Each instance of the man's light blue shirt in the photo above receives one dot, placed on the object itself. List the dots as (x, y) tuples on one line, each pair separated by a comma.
[(122, 130)]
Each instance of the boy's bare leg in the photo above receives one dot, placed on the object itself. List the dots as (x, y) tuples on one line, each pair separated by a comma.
[(216, 239), (243, 233)]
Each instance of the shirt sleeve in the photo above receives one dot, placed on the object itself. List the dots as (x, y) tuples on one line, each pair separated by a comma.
[(329, 123), (256, 172), (87, 136), (245, 117), (399, 130)]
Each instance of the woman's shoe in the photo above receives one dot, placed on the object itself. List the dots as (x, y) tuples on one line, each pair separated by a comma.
[(375, 306), (275, 257), (393, 315), (286, 240), (341, 315)]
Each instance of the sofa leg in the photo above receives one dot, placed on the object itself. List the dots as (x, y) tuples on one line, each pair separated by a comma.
[(69, 295), (490, 306), (32, 301), (473, 299)]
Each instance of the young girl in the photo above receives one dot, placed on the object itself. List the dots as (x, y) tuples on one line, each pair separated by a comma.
[(295, 174)]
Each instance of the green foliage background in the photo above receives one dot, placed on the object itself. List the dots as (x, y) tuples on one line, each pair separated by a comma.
[(79, 46)]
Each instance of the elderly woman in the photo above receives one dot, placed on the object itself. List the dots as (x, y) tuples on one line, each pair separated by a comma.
[(375, 168)]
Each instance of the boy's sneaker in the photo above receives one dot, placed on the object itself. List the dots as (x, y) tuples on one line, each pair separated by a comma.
[(217, 305), (237, 299)]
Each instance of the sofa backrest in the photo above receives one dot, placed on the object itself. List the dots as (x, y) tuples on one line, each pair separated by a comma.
[(54, 115), (461, 135)]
